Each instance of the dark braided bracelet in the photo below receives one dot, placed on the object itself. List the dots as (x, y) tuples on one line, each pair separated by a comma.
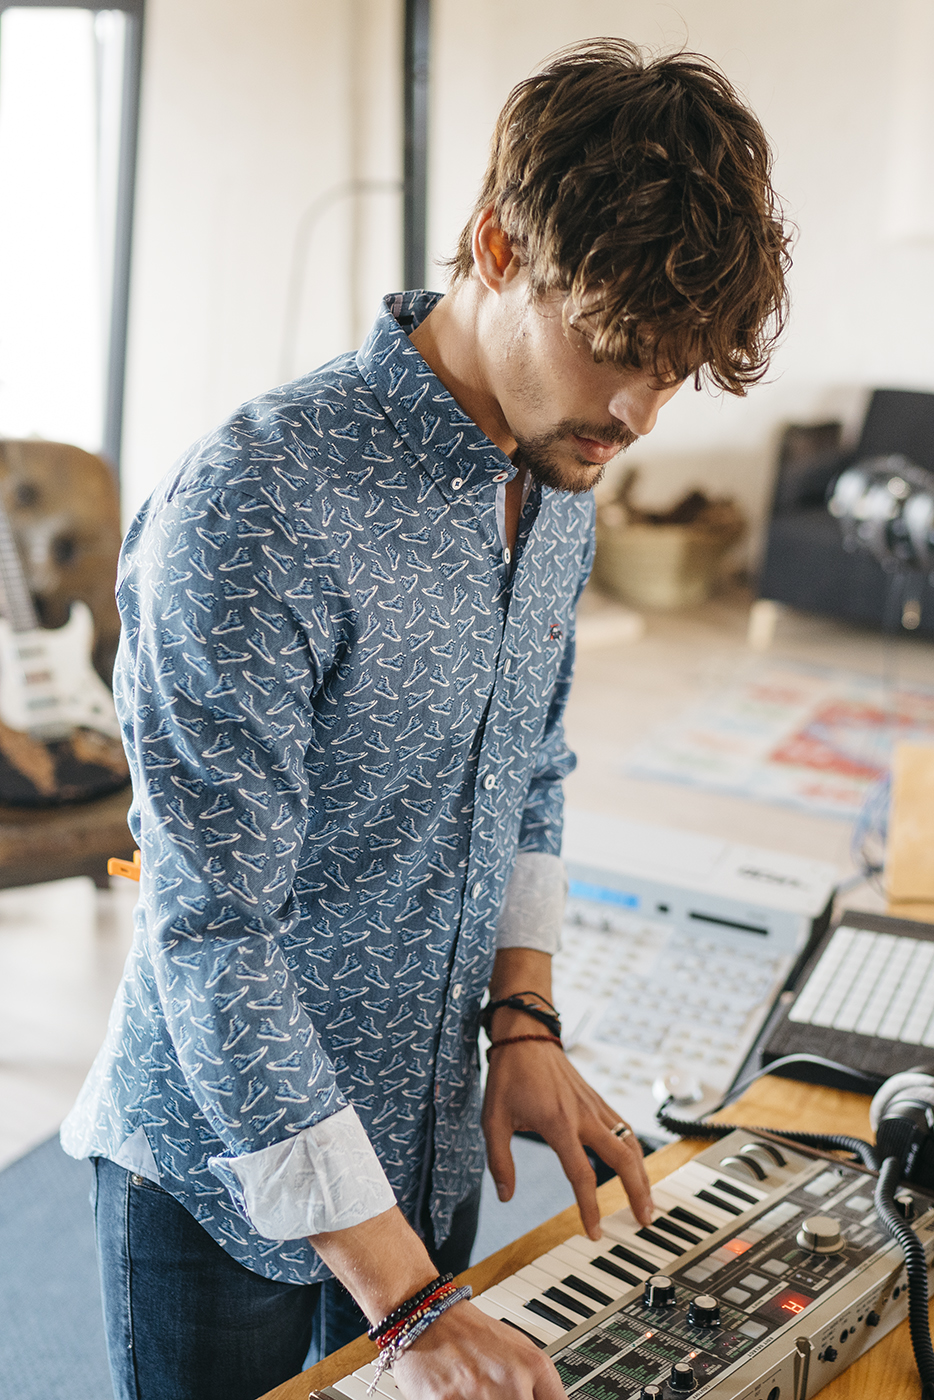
[(549, 1019), (408, 1306)]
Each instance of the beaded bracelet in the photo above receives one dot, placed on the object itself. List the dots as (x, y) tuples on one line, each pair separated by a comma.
[(412, 1328), (386, 1338), (515, 1040), (410, 1304), (550, 1019)]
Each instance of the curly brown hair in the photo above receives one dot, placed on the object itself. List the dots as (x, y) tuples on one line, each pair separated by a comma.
[(642, 190)]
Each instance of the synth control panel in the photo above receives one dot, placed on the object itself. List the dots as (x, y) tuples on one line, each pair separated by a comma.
[(763, 1275), (770, 1309)]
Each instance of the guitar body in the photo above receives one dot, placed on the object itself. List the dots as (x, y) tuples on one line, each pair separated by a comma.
[(59, 737)]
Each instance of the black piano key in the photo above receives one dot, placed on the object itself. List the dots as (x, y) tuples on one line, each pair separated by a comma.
[(663, 1223), (733, 1190), (581, 1286), (558, 1295), (713, 1200), (659, 1241), (614, 1270), (679, 1213), (549, 1314), (536, 1341), (631, 1257)]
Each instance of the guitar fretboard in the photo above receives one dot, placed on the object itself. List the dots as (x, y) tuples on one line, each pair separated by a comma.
[(15, 599)]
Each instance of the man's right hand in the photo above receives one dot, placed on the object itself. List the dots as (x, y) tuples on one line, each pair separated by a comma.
[(464, 1355)]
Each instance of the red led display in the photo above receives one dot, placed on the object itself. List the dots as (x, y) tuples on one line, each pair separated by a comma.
[(786, 1305)]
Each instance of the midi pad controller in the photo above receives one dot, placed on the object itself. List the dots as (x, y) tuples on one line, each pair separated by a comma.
[(763, 1275)]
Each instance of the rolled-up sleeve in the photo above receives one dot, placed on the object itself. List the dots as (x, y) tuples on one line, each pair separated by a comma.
[(226, 644), (533, 906)]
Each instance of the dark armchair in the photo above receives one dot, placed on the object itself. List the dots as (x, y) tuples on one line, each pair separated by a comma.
[(806, 564)]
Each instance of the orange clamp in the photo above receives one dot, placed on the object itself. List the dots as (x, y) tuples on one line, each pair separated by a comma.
[(130, 871)]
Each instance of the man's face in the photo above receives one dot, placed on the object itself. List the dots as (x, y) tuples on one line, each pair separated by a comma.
[(568, 415)]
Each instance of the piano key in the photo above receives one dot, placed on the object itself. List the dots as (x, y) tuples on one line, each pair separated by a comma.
[(597, 1256), (710, 1180), (677, 1195), (729, 1188), (600, 1279), (352, 1387), (714, 1200), (384, 1386), (677, 1231), (644, 1254), (671, 1246), (557, 1270), (527, 1294), (694, 1219), (515, 1305), (568, 1302), (533, 1327)]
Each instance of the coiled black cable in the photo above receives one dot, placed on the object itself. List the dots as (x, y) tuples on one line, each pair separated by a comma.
[(824, 1142), (916, 1269)]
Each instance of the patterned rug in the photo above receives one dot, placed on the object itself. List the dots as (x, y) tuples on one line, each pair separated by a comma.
[(812, 738)]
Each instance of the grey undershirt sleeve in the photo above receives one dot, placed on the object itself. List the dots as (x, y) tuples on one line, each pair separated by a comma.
[(533, 906)]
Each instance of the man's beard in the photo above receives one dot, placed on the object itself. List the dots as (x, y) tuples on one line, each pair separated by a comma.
[(545, 466)]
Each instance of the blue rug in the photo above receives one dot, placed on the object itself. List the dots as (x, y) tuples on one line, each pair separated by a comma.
[(51, 1329)]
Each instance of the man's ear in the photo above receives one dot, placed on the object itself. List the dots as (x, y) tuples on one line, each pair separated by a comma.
[(494, 258)]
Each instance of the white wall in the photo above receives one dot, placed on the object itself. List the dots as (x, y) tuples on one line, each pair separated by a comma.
[(252, 111), (255, 116), (845, 89)]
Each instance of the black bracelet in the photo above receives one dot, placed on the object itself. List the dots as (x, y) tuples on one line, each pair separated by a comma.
[(551, 1020), (408, 1306)]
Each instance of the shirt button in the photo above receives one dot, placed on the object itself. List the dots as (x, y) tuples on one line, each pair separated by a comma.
[(501, 476), (457, 483), (476, 890), (489, 781), (507, 556), (456, 990)]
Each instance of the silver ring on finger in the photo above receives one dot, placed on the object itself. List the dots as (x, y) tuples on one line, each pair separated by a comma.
[(621, 1130)]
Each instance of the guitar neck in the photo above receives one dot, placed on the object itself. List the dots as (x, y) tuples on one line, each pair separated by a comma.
[(15, 598)]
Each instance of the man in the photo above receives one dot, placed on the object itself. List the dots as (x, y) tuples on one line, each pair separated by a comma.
[(348, 619)]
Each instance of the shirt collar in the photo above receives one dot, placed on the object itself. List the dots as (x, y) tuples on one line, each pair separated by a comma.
[(446, 441)]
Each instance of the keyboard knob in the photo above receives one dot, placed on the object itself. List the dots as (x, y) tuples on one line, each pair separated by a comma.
[(704, 1311), (748, 1165), (651, 1392), (682, 1378), (820, 1233), (659, 1292), (905, 1205)]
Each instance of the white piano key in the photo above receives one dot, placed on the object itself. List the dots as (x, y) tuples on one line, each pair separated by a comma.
[(525, 1292), (574, 1262), (384, 1386), (535, 1326), (512, 1303), (352, 1387), (686, 1196)]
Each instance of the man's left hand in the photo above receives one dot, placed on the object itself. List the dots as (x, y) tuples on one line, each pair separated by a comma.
[(533, 1087)]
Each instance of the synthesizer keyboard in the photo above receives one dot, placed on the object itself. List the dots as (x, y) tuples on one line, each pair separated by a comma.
[(763, 1275)]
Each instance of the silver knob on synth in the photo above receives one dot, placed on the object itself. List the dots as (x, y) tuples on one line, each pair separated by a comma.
[(820, 1233), (658, 1292), (704, 1311), (682, 1378)]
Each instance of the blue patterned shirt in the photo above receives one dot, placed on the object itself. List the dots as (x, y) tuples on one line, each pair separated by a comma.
[(342, 705)]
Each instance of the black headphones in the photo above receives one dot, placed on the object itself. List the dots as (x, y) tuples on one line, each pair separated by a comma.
[(902, 1118)]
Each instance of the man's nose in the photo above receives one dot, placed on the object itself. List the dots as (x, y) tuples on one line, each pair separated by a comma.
[(637, 405)]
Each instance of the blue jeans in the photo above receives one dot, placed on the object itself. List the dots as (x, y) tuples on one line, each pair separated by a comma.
[(185, 1321)]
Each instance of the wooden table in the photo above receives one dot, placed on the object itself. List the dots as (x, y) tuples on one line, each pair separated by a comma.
[(887, 1371)]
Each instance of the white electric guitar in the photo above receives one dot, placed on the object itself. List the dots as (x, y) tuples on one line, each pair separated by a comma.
[(51, 695)]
